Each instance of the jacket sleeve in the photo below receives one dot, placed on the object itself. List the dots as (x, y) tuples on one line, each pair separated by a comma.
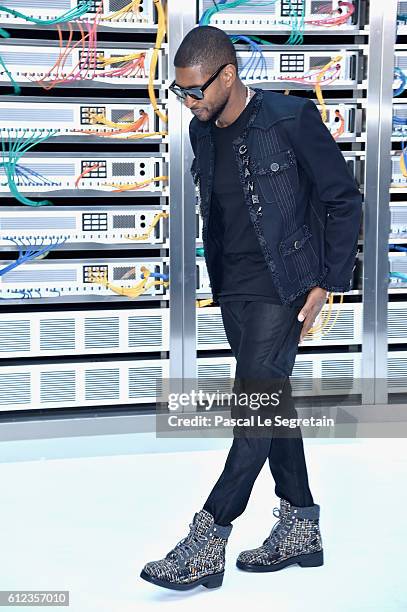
[(320, 156)]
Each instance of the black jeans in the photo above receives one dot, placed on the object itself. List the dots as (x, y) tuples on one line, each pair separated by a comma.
[(264, 340)]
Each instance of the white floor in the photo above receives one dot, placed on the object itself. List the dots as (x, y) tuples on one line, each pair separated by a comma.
[(85, 514)]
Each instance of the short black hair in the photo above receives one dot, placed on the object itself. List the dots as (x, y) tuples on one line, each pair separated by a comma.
[(208, 47)]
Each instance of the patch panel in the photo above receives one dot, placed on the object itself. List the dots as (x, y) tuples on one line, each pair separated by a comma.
[(39, 173), (282, 66), (74, 385), (23, 117), (72, 278), (39, 64), (38, 9), (276, 16)]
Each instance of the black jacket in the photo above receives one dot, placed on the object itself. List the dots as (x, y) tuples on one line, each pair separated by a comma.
[(303, 201)]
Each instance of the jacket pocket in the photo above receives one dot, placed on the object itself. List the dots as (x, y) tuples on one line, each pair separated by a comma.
[(276, 176), (274, 163), (298, 255)]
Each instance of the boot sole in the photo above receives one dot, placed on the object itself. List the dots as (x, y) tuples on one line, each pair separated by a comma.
[(210, 582), (308, 560)]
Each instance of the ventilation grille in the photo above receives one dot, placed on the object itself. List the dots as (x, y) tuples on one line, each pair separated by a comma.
[(344, 328), (38, 4), (210, 330), (40, 115), (32, 59), (124, 221), (123, 115), (57, 334), (260, 9), (145, 331), (37, 222), (102, 332), (145, 382), (301, 379), (399, 215), (102, 384), (123, 169), (48, 276), (397, 323), (337, 374), (401, 61), (15, 336), (15, 388), (58, 387), (48, 169)]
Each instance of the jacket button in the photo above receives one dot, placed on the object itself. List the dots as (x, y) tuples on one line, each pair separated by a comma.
[(275, 166), (297, 244)]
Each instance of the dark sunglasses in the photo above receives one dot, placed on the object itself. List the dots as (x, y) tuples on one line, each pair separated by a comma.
[(194, 92)]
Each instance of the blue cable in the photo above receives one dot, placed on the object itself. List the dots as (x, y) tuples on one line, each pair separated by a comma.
[(157, 275), (28, 255), (400, 74), (399, 275)]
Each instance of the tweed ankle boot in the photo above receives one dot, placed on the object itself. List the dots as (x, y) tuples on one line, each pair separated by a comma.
[(295, 538), (199, 558)]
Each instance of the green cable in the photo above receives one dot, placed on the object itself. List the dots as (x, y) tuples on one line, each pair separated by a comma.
[(17, 149), (16, 87), (70, 15), (296, 37)]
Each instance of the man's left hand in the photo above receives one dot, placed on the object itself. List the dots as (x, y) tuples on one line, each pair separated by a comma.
[(309, 312)]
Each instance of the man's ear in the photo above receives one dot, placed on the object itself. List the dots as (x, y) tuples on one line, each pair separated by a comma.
[(229, 75)]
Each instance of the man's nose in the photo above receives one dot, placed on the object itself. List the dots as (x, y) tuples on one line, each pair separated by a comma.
[(189, 102)]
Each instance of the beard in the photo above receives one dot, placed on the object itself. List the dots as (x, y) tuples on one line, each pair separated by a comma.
[(217, 110)]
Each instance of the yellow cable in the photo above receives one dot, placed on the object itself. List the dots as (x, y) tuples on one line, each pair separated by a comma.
[(325, 321), (157, 217), (133, 6), (130, 186), (202, 303), (161, 29), (118, 60), (403, 165), (318, 90), (131, 292)]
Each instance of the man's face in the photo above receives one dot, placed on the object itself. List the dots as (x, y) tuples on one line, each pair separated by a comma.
[(216, 95)]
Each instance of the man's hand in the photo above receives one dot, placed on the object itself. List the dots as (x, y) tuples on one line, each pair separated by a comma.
[(309, 312)]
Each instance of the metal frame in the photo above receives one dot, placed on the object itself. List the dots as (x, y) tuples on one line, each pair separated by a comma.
[(382, 32), (181, 19)]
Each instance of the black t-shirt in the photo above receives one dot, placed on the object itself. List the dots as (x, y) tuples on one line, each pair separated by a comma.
[(243, 272)]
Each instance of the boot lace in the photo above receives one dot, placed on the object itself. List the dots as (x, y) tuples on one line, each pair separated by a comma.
[(280, 530), (188, 545)]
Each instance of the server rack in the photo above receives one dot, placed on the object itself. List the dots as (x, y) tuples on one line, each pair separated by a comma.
[(113, 352)]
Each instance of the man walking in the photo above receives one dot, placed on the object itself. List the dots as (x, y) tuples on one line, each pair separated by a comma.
[(281, 216)]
